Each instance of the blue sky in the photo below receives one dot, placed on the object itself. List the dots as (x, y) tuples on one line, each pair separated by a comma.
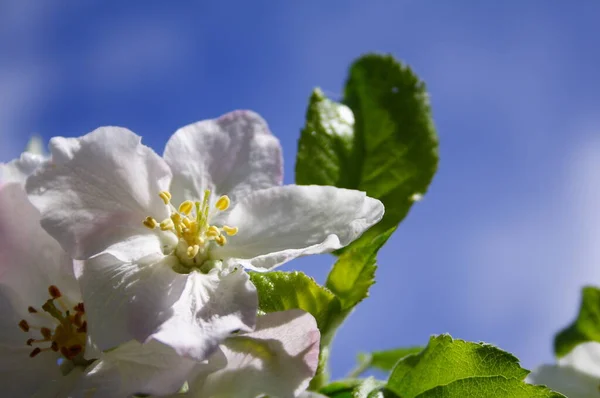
[(499, 247)]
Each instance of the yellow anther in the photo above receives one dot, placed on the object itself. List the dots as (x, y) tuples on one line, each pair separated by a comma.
[(150, 222), (167, 224), (223, 203), (186, 207), (186, 222), (230, 230), (192, 251), (221, 240), (200, 240), (165, 196), (176, 217), (213, 232)]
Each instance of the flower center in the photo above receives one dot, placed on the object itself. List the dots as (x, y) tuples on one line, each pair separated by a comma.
[(70, 328), (190, 223)]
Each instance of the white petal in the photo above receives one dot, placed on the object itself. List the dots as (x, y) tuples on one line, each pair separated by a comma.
[(566, 380), (212, 306), (22, 376), (63, 386), (278, 359), (98, 189), (231, 155), (128, 300), (135, 368), (30, 260), (17, 170), (281, 223), (585, 358)]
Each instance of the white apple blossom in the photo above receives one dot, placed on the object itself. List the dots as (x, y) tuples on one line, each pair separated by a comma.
[(278, 359), (576, 375), (163, 238), (45, 347)]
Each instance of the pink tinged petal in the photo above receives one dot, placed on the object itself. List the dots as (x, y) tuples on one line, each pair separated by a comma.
[(281, 223), (134, 368), (19, 169), (30, 260), (278, 359), (211, 308), (231, 155), (128, 300), (98, 189)]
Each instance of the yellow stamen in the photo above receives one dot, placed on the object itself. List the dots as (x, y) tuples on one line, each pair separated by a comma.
[(187, 223), (223, 203), (230, 230), (213, 232), (176, 217), (221, 240), (167, 224), (165, 196), (186, 207), (150, 222), (192, 251)]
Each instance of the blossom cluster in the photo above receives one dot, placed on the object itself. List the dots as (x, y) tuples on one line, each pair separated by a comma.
[(125, 273)]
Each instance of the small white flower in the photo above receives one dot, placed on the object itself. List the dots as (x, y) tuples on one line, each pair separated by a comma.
[(45, 347), (163, 239), (576, 375), (278, 359)]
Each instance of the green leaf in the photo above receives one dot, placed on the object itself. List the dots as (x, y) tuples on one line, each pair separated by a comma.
[(490, 386), (585, 328), (385, 360), (388, 149), (325, 144), (354, 271), (340, 388), (280, 291), (446, 360)]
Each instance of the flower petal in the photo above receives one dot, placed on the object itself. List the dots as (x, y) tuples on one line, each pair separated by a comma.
[(278, 359), (62, 386), (128, 300), (22, 376), (585, 357), (212, 306), (231, 155), (17, 170), (576, 374), (134, 368), (281, 223), (30, 260), (98, 189), (566, 380)]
